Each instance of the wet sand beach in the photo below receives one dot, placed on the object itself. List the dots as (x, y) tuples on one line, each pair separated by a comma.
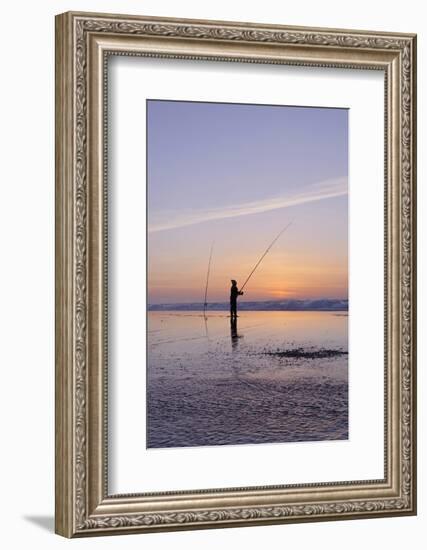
[(271, 377)]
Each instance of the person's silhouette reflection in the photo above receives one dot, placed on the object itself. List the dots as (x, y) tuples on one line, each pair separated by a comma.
[(233, 332)]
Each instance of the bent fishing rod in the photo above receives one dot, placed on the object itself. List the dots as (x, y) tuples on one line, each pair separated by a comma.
[(205, 305), (265, 254)]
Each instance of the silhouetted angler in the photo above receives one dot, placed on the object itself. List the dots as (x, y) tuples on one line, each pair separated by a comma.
[(234, 292)]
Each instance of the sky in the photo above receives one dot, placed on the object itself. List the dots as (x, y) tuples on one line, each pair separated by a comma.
[(233, 175)]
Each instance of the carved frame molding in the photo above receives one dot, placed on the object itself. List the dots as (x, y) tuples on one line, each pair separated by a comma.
[(83, 43)]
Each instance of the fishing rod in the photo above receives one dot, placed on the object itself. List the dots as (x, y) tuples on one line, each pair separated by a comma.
[(205, 305), (265, 253)]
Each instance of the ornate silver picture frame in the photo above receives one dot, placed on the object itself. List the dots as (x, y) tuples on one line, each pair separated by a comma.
[(84, 43)]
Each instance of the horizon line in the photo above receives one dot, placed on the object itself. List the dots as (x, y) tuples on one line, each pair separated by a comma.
[(276, 300)]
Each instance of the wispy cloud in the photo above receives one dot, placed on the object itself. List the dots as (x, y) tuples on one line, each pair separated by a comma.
[(173, 219)]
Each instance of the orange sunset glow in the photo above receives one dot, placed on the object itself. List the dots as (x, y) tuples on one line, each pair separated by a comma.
[(236, 187)]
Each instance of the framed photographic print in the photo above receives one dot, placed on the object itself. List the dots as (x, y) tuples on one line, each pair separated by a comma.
[(235, 274)]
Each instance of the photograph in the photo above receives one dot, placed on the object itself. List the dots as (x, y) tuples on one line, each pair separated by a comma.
[(247, 273), (235, 271)]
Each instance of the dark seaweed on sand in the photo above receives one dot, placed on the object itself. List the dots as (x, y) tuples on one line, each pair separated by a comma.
[(301, 353)]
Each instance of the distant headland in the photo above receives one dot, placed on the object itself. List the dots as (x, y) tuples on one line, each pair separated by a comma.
[(272, 305)]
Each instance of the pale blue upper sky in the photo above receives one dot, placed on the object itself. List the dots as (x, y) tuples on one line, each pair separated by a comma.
[(236, 174)]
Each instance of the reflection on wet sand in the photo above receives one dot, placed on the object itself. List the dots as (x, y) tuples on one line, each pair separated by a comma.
[(234, 335), (285, 380)]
